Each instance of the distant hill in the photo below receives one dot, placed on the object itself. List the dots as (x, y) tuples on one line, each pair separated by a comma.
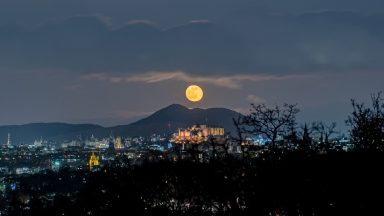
[(164, 121), (28, 133), (169, 119)]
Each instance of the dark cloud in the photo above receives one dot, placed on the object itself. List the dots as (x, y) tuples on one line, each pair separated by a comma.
[(168, 12), (86, 43), (250, 43)]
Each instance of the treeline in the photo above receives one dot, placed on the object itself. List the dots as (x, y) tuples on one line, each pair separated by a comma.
[(298, 184), (278, 124)]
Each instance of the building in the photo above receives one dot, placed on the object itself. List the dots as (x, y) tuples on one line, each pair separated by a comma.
[(56, 165), (94, 143), (9, 142), (197, 134), (93, 161), (118, 144)]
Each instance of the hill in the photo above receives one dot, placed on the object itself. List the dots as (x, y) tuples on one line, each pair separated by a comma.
[(163, 122), (28, 133), (169, 119)]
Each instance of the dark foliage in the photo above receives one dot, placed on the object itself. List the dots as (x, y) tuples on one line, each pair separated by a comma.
[(367, 124), (332, 184), (305, 143), (270, 122)]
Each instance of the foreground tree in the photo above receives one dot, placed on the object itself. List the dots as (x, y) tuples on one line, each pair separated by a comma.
[(367, 124), (272, 122), (305, 140), (324, 132)]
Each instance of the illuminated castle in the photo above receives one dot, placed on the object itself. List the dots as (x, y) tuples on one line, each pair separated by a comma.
[(93, 161), (197, 134)]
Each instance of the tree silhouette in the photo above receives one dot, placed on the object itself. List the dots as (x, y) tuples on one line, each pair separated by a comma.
[(305, 143), (325, 131), (271, 122), (292, 137), (240, 136), (367, 124)]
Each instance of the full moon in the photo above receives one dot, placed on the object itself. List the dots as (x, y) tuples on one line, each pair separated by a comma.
[(194, 93)]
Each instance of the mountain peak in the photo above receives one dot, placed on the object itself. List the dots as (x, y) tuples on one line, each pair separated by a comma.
[(175, 106), (171, 118)]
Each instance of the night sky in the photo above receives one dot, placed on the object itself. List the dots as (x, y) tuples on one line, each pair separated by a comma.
[(112, 62)]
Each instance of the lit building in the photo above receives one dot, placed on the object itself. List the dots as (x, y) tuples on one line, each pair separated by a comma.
[(118, 144), (197, 134), (95, 143), (23, 170), (56, 165), (93, 161), (9, 141)]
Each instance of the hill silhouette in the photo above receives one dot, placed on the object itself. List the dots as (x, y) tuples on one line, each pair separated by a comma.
[(28, 133), (164, 122), (169, 119)]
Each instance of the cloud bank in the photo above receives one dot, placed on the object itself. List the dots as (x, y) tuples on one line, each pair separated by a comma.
[(229, 81), (242, 43)]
